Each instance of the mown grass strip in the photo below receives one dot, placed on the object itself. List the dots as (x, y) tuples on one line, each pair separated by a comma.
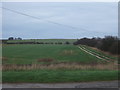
[(55, 76)]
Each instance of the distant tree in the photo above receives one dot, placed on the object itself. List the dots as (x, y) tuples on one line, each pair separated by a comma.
[(118, 46), (107, 42), (67, 42), (51, 42), (10, 38), (114, 48), (86, 41), (75, 43), (19, 38), (40, 43), (59, 42), (15, 38)]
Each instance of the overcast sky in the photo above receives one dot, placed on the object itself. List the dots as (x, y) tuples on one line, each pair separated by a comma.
[(70, 20)]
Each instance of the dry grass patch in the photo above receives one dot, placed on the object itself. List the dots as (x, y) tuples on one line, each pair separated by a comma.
[(72, 66), (45, 60), (68, 52)]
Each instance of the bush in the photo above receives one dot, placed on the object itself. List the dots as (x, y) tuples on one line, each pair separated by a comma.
[(108, 43), (67, 42)]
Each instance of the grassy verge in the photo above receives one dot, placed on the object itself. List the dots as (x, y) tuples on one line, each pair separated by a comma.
[(55, 76)]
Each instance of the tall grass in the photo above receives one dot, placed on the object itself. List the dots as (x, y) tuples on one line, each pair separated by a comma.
[(72, 66)]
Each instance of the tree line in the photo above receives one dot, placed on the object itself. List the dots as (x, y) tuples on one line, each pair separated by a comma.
[(108, 43), (21, 41), (12, 38), (34, 42)]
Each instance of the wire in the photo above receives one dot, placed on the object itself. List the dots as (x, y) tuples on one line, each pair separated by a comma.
[(50, 21), (36, 17)]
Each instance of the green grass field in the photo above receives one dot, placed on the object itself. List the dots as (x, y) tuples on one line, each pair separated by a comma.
[(28, 54), (53, 63)]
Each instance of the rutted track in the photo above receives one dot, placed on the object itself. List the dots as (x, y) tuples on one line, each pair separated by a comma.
[(94, 54)]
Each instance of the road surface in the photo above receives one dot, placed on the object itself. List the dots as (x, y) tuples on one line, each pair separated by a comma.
[(101, 84)]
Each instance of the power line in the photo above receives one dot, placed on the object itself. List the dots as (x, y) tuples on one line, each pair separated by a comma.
[(21, 13), (36, 17)]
